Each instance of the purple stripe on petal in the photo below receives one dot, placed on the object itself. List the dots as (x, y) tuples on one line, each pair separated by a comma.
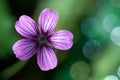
[(47, 20), (61, 39), (24, 49), (46, 58), (26, 27)]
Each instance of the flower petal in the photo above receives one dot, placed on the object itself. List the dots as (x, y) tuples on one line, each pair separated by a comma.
[(47, 20), (24, 49), (46, 58), (61, 39), (26, 27)]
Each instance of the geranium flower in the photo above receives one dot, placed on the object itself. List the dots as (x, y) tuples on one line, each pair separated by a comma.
[(40, 39)]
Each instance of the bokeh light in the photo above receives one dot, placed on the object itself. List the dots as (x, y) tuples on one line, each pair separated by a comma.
[(109, 22), (92, 49), (111, 77), (80, 70), (115, 35), (118, 71), (90, 27)]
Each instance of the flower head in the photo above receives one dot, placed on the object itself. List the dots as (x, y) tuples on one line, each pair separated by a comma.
[(40, 39)]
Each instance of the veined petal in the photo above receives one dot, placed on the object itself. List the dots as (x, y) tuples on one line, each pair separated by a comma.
[(46, 58), (26, 27), (24, 49), (47, 20), (61, 39)]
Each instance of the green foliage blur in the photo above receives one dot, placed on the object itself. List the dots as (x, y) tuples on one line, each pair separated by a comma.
[(86, 19)]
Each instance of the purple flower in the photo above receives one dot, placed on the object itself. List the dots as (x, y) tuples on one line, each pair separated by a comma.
[(40, 39)]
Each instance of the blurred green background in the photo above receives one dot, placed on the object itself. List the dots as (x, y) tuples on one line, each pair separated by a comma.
[(95, 54)]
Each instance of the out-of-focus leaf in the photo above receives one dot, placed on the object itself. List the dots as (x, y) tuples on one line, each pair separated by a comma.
[(107, 62), (7, 36)]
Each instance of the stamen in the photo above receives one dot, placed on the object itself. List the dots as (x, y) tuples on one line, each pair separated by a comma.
[(41, 39)]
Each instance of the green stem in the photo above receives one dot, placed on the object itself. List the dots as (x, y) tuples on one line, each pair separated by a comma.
[(12, 70)]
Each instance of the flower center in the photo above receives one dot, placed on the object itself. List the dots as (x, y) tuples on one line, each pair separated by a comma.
[(41, 39)]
